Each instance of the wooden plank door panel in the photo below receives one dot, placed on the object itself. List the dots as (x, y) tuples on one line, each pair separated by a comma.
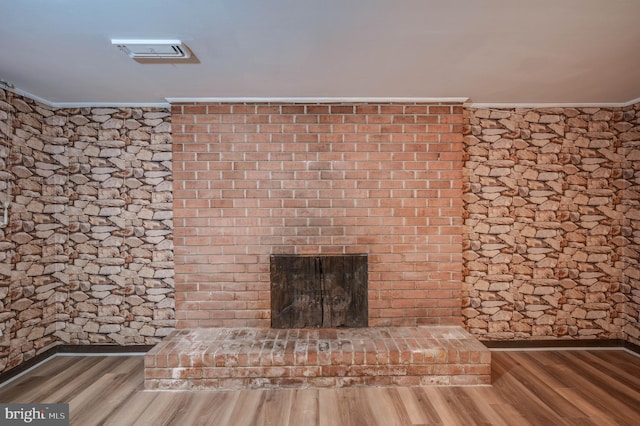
[(319, 291)]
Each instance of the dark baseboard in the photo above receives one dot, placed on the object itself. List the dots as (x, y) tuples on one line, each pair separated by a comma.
[(76, 349), (502, 344), (632, 347), (102, 349), (560, 343)]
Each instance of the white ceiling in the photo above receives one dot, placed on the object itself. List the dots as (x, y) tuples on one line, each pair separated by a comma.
[(491, 51)]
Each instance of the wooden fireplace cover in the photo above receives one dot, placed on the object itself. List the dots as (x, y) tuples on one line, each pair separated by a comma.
[(319, 291)]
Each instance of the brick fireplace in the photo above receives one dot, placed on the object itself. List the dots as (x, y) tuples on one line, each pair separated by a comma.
[(258, 187), (255, 180)]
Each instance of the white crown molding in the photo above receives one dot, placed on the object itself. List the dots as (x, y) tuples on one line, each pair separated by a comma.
[(112, 105), (631, 102), (30, 96), (59, 105), (321, 100), (552, 105)]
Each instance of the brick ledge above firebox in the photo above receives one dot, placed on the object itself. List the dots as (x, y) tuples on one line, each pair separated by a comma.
[(241, 358)]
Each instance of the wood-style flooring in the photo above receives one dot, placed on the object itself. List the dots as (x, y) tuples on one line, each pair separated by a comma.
[(579, 387)]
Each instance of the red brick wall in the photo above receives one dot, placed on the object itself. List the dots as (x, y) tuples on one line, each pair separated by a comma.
[(251, 180)]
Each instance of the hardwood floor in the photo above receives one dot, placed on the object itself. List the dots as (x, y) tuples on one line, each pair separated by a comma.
[(529, 388)]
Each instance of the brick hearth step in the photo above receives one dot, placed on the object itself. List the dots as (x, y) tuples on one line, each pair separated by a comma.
[(241, 358)]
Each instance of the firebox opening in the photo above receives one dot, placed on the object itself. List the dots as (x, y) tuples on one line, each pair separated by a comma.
[(319, 291)]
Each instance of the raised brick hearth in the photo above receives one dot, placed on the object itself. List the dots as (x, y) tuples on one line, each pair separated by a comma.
[(239, 358), (253, 181)]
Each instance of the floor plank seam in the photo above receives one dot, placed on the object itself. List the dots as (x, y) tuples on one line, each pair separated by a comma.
[(531, 387), (564, 348), (76, 354)]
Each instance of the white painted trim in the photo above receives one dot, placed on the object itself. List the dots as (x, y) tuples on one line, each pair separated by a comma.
[(584, 348), (59, 105), (632, 352), (169, 101), (321, 100), (28, 370), (111, 105), (489, 105), (631, 102), (32, 96)]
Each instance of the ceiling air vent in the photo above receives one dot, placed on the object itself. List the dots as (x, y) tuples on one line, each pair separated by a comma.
[(153, 49)]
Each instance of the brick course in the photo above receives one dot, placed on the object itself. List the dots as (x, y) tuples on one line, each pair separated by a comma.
[(252, 180), (237, 358), (341, 177)]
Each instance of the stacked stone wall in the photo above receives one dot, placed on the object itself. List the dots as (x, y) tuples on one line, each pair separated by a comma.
[(7, 246), (120, 244), (550, 223), (630, 254), (33, 286), (551, 210), (87, 256)]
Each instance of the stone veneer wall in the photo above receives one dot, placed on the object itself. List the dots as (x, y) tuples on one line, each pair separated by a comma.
[(552, 207), (630, 254), (7, 246), (88, 254), (552, 223)]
